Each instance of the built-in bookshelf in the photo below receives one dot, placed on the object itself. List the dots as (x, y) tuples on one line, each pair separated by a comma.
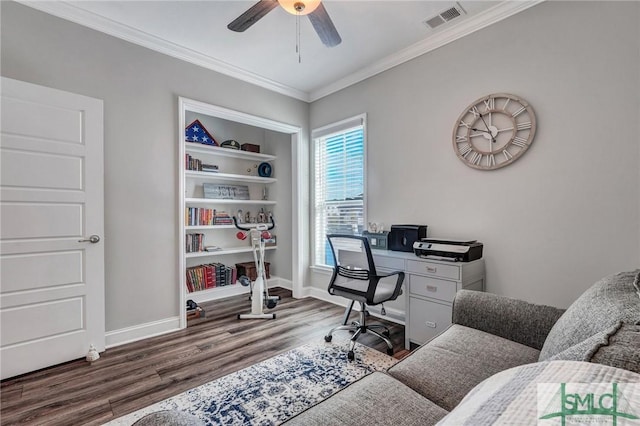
[(207, 229)]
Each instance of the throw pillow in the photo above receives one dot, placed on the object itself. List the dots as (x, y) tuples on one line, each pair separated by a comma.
[(610, 300), (583, 351), (514, 396), (622, 349)]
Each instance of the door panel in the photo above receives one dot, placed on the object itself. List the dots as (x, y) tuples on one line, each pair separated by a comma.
[(34, 220), (51, 198), (41, 270), (17, 322), (32, 117), (34, 169)]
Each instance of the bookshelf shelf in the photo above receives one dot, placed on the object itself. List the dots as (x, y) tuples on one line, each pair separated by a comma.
[(197, 148), (217, 292), (233, 250), (202, 227), (227, 177), (234, 202)]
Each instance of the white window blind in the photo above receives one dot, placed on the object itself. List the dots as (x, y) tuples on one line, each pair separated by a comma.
[(339, 189)]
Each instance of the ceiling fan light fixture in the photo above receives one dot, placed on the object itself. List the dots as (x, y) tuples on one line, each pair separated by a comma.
[(299, 7)]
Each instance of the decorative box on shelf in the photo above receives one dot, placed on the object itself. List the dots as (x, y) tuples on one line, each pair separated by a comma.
[(195, 313), (249, 269), (377, 240), (250, 147)]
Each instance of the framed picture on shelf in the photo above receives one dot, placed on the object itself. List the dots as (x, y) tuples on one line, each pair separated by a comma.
[(225, 192)]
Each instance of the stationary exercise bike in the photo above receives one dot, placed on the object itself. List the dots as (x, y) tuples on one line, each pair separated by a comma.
[(259, 290)]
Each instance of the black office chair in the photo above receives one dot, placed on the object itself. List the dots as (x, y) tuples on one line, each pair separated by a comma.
[(355, 278)]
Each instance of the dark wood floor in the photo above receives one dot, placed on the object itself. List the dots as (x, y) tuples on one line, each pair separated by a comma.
[(132, 376)]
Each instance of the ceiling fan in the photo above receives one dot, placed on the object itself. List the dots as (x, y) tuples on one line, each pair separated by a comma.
[(313, 8)]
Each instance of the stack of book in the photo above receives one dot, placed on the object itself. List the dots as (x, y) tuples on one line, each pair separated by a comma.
[(194, 242), (211, 168), (211, 275), (222, 218)]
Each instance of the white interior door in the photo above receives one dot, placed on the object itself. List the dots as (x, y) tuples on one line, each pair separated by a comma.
[(51, 200)]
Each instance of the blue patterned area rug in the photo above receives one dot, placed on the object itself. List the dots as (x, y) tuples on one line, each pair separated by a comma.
[(272, 391)]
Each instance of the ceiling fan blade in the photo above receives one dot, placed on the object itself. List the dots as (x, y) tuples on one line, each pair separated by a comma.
[(324, 27), (252, 15)]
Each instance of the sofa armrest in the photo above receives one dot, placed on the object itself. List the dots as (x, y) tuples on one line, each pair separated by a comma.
[(513, 319)]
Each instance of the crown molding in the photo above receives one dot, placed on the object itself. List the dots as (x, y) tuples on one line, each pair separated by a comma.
[(75, 14), (477, 22), (72, 13)]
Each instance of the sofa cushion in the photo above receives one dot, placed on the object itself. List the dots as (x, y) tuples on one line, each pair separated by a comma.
[(376, 399), (521, 395), (513, 319), (451, 364), (612, 299)]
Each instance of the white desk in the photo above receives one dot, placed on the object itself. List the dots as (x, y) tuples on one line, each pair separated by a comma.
[(430, 286)]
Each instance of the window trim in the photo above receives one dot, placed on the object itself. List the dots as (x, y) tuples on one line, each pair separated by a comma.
[(324, 131)]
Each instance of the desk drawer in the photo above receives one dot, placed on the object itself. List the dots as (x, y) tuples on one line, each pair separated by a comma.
[(436, 269), (427, 319), (392, 263), (432, 287)]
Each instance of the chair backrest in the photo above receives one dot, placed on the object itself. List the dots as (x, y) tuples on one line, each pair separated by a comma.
[(352, 256), (354, 273)]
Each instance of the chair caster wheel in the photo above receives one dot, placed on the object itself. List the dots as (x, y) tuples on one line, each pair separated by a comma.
[(351, 355), (389, 352), (328, 338)]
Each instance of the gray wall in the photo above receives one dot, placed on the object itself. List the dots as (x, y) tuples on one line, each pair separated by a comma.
[(562, 216), (567, 212), (140, 89)]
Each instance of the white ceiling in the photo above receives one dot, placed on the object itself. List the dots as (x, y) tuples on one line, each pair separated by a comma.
[(376, 35)]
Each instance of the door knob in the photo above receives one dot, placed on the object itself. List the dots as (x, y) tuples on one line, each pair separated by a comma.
[(92, 239)]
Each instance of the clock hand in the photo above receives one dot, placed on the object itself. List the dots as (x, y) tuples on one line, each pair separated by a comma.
[(480, 130), (488, 131)]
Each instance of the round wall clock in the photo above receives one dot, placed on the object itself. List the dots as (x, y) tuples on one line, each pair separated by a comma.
[(494, 131)]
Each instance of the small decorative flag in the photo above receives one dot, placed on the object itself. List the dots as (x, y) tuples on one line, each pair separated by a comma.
[(195, 132)]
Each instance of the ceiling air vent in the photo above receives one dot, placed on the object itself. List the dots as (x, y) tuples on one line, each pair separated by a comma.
[(445, 16)]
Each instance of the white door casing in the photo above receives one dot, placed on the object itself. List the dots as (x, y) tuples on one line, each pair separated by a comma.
[(51, 199)]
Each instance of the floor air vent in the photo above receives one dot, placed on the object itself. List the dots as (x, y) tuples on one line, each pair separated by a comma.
[(445, 16)]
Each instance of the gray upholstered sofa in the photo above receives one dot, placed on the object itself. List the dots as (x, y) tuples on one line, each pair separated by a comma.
[(484, 368)]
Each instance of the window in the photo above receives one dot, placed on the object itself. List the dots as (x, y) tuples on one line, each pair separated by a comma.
[(339, 184)]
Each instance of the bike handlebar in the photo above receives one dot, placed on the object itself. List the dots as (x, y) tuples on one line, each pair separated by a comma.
[(269, 226)]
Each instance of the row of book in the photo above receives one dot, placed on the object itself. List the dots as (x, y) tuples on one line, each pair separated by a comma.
[(198, 216), (192, 163), (194, 242), (211, 275)]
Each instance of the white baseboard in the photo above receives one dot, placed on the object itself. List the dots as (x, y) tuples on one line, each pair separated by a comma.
[(156, 328), (280, 282), (393, 315), (142, 331)]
